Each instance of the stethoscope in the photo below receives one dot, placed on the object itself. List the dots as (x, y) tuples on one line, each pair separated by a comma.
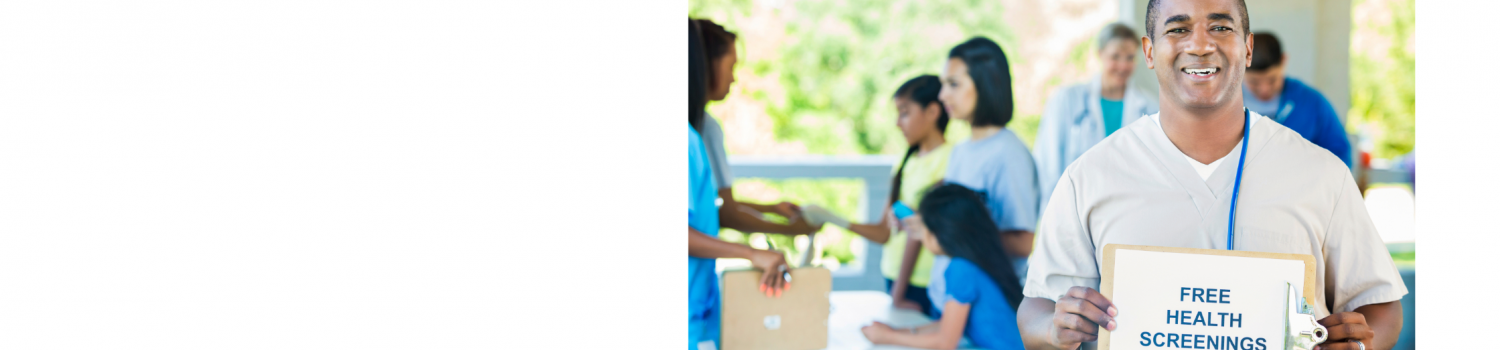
[(1239, 172)]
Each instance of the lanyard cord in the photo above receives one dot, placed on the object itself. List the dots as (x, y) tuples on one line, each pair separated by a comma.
[(1234, 201)]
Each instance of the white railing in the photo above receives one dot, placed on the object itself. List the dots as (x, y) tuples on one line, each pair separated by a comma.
[(864, 272), (1383, 175)]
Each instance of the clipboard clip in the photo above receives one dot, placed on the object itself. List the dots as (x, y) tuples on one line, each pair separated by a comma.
[(1302, 329)]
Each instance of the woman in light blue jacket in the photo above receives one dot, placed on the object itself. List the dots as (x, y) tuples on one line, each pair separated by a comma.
[(1081, 115)]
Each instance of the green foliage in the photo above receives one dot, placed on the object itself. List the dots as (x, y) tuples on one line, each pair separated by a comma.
[(719, 9), (841, 62), (1382, 86)]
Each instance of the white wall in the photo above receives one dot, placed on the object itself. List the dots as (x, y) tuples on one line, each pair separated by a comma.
[(1314, 35)]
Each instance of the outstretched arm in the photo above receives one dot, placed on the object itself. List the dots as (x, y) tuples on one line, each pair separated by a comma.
[(948, 331), (733, 215), (879, 231), (770, 261)]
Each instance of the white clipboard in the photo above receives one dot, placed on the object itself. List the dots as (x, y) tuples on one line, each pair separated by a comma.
[(1163, 293)]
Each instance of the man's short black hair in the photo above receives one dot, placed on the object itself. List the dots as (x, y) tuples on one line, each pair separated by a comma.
[(1266, 54), (1152, 13)]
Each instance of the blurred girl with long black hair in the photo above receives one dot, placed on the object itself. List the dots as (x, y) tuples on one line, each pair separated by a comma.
[(982, 291)]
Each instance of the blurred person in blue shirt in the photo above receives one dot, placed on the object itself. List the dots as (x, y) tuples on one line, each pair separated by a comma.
[(982, 291), (1270, 92), (704, 245)]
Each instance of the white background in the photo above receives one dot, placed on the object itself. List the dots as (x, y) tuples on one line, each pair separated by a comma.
[(1456, 200), (340, 174)]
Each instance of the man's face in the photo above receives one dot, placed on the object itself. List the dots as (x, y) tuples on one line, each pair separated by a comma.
[(1199, 53), (1266, 84)]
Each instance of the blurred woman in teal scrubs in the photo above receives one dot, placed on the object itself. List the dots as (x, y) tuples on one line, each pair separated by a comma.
[(1079, 116), (704, 245)]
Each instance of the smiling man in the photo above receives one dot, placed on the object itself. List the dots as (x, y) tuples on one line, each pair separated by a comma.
[(1171, 179)]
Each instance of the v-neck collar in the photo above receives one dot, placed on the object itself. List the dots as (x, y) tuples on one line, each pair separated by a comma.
[(1206, 194)]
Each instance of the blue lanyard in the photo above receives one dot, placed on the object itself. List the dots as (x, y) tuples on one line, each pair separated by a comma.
[(1235, 200)]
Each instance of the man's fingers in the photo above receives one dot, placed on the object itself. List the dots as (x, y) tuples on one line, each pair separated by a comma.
[(1346, 325), (1347, 331), (1093, 296), (1342, 345), (1076, 323), (1085, 309), (1342, 318), (1071, 339)]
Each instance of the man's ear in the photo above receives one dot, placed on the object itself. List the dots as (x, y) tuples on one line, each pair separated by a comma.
[(1250, 49), (1146, 48), (1283, 60)]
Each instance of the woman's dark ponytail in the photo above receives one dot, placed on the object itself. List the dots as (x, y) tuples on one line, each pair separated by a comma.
[(896, 181), (924, 91), (697, 74)]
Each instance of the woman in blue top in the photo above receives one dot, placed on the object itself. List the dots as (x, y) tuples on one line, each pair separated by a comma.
[(983, 290), (703, 220)]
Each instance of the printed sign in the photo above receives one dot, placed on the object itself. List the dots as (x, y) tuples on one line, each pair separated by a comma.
[(1184, 298)]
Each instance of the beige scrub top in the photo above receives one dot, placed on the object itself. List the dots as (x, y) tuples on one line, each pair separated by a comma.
[(1135, 187)]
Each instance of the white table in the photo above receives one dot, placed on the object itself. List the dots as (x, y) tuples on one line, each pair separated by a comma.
[(855, 309)]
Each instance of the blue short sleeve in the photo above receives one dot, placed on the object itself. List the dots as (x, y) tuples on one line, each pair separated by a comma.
[(962, 278), (992, 323), (702, 211), (703, 216)]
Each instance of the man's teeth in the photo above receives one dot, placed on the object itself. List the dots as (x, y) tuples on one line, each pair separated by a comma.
[(1204, 71)]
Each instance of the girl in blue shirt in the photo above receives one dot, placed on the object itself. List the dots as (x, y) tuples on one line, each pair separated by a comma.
[(982, 291)]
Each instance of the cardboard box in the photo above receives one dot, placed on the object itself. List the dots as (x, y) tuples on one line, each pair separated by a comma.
[(798, 320)]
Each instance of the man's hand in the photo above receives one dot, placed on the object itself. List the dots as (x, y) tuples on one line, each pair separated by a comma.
[(877, 332), (773, 264), (1344, 329), (1078, 316)]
